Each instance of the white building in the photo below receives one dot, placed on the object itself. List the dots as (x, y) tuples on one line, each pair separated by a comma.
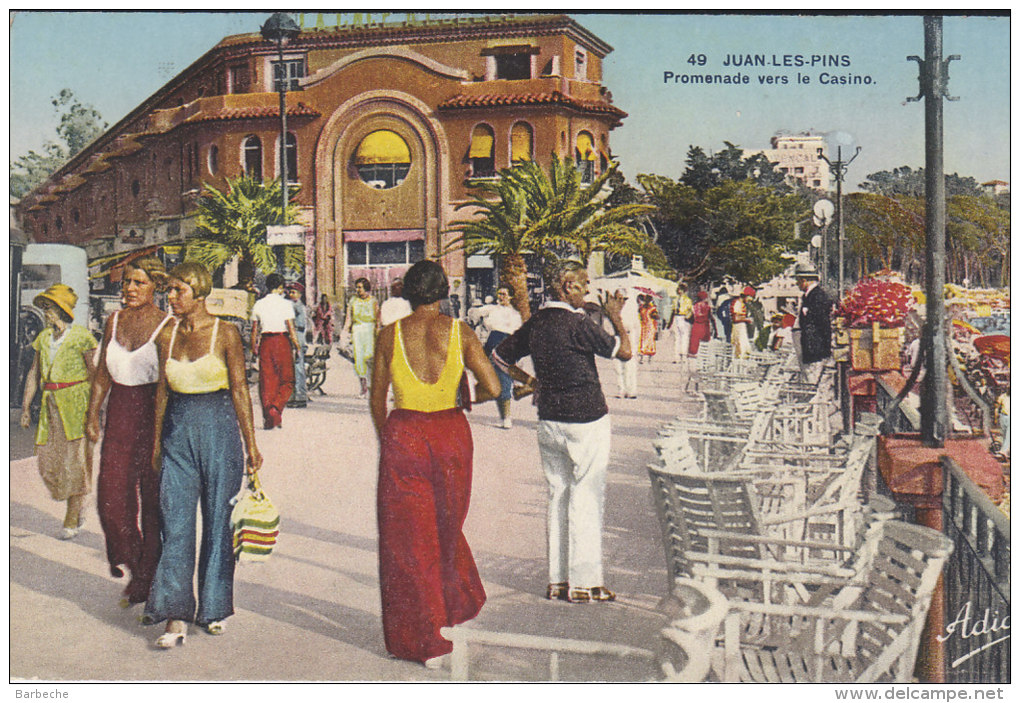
[(799, 158)]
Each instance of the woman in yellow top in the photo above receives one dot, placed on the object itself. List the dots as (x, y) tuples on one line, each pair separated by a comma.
[(203, 410), (63, 366), (427, 575)]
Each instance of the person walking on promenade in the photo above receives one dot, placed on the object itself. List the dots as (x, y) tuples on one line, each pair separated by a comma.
[(573, 427), (649, 328), (427, 574), (741, 320), (362, 324), (63, 366), (703, 327), (127, 372), (322, 317), (203, 412), (296, 294), (626, 370), (815, 323), (724, 304), (273, 339), (396, 306), (502, 320), (680, 324)]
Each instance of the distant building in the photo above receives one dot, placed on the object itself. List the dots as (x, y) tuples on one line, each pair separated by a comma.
[(995, 187), (799, 159), (388, 122)]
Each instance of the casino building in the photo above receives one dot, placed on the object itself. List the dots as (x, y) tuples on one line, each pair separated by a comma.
[(387, 124)]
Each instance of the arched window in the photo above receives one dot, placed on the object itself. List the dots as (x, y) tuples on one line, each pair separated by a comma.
[(252, 149), (214, 159), (75, 215), (382, 159), (136, 187), (60, 223), (483, 152), (522, 143), (585, 156)]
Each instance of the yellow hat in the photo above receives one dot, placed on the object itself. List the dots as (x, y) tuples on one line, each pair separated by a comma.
[(61, 295)]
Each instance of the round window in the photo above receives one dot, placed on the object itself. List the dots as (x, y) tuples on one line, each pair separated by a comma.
[(382, 159)]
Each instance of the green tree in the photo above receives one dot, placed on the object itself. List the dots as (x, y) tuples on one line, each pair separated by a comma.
[(738, 227), (527, 210), (233, 223), (910, 182), (79, 126)]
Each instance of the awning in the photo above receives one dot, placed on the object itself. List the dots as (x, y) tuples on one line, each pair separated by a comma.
[(481, 143), (585, 146), (383, 147), (383, 235), (520, 142), (120, 260)]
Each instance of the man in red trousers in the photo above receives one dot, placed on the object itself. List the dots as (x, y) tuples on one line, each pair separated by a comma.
[(273, 339)]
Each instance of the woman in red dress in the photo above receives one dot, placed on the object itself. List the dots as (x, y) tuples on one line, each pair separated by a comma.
[(701, 330)]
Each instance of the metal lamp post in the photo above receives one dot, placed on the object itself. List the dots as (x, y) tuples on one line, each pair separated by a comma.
[(281, 28), (838, 169)]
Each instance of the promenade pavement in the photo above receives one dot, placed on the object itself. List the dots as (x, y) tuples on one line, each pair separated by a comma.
[(312, 613)]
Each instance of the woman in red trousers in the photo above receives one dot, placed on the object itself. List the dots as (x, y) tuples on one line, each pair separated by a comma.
[(427, 574), (128, 370)]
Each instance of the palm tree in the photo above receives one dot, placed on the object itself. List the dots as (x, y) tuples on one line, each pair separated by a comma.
[(529, 211), (233, 223)]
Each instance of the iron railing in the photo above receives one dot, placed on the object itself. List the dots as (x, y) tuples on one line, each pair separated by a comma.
[(976, 634)]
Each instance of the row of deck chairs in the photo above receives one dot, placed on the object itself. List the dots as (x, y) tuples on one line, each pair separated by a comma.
[(762, 510)]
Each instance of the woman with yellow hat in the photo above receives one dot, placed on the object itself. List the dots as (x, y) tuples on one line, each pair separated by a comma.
[(62, 367)]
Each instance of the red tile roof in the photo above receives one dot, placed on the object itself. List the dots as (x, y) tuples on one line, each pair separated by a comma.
[(553, 98), (242, 113)]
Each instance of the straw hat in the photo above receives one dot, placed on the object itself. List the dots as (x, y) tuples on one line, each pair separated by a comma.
[(60, 295)]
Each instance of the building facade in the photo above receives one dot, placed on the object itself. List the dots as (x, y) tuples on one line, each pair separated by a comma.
[(799, 158), (388, 123)]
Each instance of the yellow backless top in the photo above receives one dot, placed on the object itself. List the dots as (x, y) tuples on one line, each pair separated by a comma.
[(205, 374), (409, 393)]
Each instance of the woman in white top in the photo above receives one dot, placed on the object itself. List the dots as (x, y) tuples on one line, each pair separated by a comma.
[(127, 372), (502, 320)]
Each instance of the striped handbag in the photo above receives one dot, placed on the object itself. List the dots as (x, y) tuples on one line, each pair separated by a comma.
[(256, 522)]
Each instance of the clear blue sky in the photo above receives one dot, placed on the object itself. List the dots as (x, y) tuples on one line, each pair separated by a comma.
[(116, 60)]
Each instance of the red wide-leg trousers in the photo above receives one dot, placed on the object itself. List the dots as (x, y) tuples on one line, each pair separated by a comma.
[(127, 481), (276, 376), (427, 574)]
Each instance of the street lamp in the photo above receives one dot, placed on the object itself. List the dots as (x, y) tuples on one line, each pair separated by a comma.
[(281, 28), (838, 170)]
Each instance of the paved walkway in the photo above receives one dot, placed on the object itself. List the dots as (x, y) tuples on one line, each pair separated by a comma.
[(311, 613)]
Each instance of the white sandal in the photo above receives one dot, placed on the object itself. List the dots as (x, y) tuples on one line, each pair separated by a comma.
[(169, 640)]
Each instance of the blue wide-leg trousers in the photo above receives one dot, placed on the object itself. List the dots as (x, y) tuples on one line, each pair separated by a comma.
[(203, 465)]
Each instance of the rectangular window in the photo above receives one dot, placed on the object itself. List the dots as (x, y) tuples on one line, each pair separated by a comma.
[(513, 67), (415, 251), (291, 70), (357, 253), (799, 169), (818, 183), (385, 253)]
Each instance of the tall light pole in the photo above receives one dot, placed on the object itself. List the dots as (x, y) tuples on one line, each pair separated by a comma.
[(838, 169), (281, 28)]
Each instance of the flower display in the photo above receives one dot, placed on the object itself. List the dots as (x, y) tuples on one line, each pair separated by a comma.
[(874, 300)]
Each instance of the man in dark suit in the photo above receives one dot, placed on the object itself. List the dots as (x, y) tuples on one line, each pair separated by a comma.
[(814, 321)]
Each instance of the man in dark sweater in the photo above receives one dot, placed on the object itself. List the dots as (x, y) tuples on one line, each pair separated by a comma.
[(573, 427)]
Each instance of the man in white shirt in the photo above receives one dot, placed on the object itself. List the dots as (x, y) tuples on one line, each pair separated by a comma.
[(273, 338), (396, 307)]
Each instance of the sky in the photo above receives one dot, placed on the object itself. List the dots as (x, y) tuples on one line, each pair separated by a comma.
[(114, 61)]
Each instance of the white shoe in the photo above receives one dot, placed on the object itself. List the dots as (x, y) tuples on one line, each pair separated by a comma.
[(169, 640), (217, 627), (69, 533), (437, 662), (507, 423)]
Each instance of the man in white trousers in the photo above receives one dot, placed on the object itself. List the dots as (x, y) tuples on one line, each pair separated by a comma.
[(573, 426), (626, 370)]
